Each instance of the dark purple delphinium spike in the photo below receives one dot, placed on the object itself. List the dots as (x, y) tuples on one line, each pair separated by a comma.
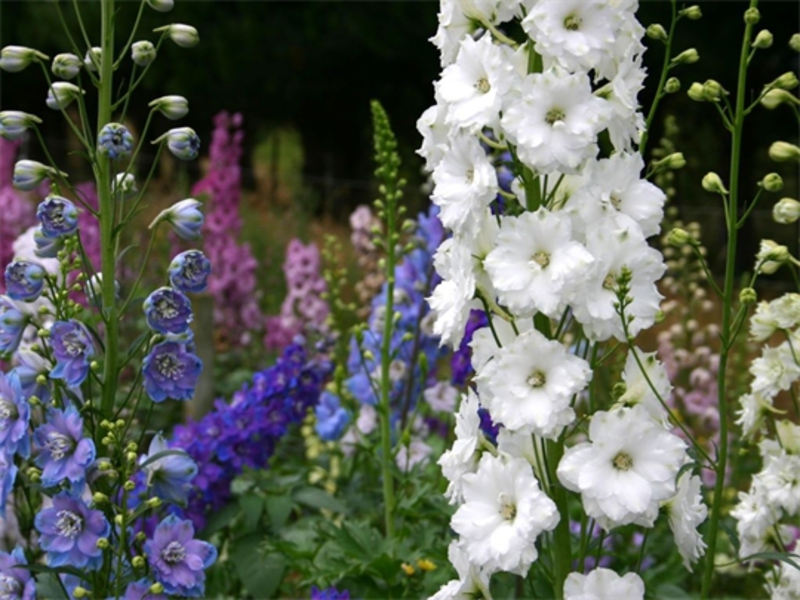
[(330, 593)]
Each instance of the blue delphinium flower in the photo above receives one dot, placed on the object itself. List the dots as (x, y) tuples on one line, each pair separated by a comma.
[(62, 451), (24, 280), (331, 417), (182, 142), (170, 372), (15, 413), (46, 247), (8, 475), (58, 217), (169, 476), (185, 217), (189, 271), (29, 367), (178, 561), (115, 141), (69, 531), (12, 325), (330, 593), (16, 583), (140, 590), (73, 349), (168, 311)]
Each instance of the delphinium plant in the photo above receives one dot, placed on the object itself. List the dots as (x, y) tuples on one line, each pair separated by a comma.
[(75, 405)]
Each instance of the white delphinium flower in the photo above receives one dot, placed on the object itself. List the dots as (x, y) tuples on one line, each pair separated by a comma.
[(536, 262), (504, 511), (780, 481), (755, 519), (626, 122), (627, 468), (603, 584), (465, 184), (475, 85), (485, 347), (753, 413), (530, 383), (775, 370), (616, 188), (639, 391), (452, 299), (593, 304), (782, 313), (454, 26), (576, 34), (472, 582), (435, 134), (554, 120), (783, 582), (686, 511), (462, 457)]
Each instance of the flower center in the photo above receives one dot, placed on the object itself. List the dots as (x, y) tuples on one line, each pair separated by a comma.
[(58, 444), (169, 366), (470, 175), (8, 410), (541, 258), (537, 379), (610, 282), (68, 524), (192, 267), (10, 588), (173, 553), (483, 85), (166, 308), (554, 115), (572, 23), (508, 510), (56, 215), (72, 346), (623, 462), (616, 201)]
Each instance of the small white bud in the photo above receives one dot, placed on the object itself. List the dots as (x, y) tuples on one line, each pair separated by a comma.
[(172, 107), (784, 151), (794, 42), (184, 36), (143, 53), (713, 183), (92, 59), (14, 123), (692, 12), (696, 92), (771, 256), (787, 81), (161, 5), (786, 211), (66, 65), (61, 94), (656, 32), (772, 182), (124, 186), (752, 16), (687, 57), (15, 58), (775, 97)]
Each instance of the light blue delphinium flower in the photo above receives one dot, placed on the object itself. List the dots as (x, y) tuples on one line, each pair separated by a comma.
[(178, 561), (331, 417), (189, 271), (115, 141), (73, 349), (63, 452), (170, 372), (168, 311), (182, 142), (46, 247), (170, 475), (58, 217), (24, 280), (69, 531), (15, 413), (185, 217), (16, 581)]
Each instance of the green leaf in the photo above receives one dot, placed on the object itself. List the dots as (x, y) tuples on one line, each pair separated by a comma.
[(732, 536), (252, 507), (317, 498), (48, 586), (279, 508), (220, 519), (261, 575)]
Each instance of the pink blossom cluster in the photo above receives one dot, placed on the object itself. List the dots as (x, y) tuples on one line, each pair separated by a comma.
[(232, 283), (362, 223), (18, 214), (89, 226), (303, 309)]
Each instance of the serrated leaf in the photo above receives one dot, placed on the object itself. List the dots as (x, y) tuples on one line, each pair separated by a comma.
[(260, 575)]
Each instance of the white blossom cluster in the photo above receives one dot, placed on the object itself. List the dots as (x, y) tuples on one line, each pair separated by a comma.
[(577, 222)]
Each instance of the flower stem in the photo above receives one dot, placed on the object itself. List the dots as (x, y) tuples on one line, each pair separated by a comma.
[(727, 310)]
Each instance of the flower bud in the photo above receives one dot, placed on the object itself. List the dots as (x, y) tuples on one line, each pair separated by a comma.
[(687, 57), (696, 92), (15, 58), (712, 90), (184, 36), (184, 216), (713, 183), (129, 486), (748, 296), (772, 182), (656, 32), (182, 142), (124, 186), (775, 97), (752, 16), (143, 53), (28, 174), (172, 107), (672, 161), (94, 289), (763, 40), (80, 592), (771, 256), (692, 12), (784, 151), (14, 123), (157, 588), (24, 280), (794, 42), (46, 247), (787, 81), (138, 562), (189, 271), (99, 498), (786, 211), (679, 237), (161, 5), (102, 543), (92, 59), (61, 94), (115, 141), (66, 66), (153, 502), (672, 85)]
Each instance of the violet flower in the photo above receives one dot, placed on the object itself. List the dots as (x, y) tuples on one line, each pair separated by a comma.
[(189, 271), (63, 452), (140, 590), (16, 583), (170, 372), (15, 413), (24, 280), (168, 311), (58, 216), (170, 475), (12, 325), (177, 560), (73, 349)]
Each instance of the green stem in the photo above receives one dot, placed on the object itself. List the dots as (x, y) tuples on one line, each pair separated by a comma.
[(562, 559), (727, 311), (662, 81)]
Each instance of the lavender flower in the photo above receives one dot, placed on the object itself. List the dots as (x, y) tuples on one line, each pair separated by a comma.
[(63, 452), (170, 372), (29, 366), (331, 417), (170, 475), (69, 531), (73, 348), (168, 311), (16, 583), (24, 280), (8, 475), (177, 559), (189, 271), (12, 325), (15, 412), (58, 217), (140, 590), (115, 141)]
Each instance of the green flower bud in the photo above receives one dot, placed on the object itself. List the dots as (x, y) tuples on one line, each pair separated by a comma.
[(679, 237), (752, 16), (656, 32), (763, 40), (713, 183), (692, 12), (66, 65), (748, 296), (786, 211), (143, 53), (687, 57), (794, 42), (138, 562), (775, 97), (99, 498), (102, 543), (771, 256), (672, 85), (784, 151), (772, 182), (712, 90), (787, 81), (80, 592), (92, 59), (696, 92), (184, 36), (129, 486), (156, 588), (15, 58), (153, 502), (672, 161)]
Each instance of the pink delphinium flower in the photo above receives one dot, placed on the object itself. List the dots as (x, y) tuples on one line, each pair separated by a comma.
[(17, 213)]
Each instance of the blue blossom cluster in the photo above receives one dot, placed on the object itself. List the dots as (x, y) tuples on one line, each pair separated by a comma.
[(243, 434)]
